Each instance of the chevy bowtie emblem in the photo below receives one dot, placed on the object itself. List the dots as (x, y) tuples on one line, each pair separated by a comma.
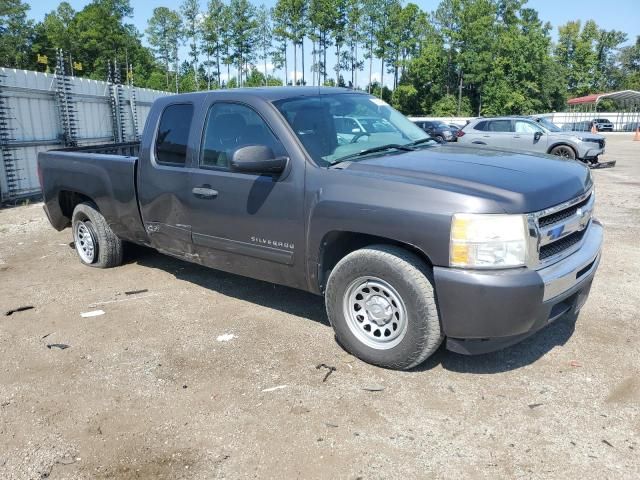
[(556, 232)]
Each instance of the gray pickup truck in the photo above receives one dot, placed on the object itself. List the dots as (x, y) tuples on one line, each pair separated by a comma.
[(409, 241)]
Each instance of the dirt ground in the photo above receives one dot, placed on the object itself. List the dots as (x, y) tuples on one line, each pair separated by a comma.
[(151, 389)]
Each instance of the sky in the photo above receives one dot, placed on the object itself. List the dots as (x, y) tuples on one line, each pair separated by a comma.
[(621, 15)]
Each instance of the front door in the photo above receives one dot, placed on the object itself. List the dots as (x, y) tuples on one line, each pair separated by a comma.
[(243, 222), (525, 138)]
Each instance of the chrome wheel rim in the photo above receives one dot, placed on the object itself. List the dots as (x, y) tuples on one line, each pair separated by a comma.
[(375, 312), (84, 242)]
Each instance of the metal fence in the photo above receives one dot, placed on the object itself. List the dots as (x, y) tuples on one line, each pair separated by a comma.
[(40, 111), (627, 121)]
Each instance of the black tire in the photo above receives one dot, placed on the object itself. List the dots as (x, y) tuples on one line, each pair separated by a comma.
[(564, 151), (440, 139), (107, 246), (412, 280)]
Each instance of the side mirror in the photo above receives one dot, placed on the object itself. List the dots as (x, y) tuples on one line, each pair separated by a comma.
[(257, 159), (537, 136)]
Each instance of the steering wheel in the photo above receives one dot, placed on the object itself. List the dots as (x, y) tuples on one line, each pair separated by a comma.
[(358, 136)]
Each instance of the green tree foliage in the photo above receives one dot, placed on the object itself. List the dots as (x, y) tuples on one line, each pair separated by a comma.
[(447, 106), (190, 10), (405, 98), (467, 56), (255, 78), (322, 17), (243, 35), (164, 32), (55, 32), (290, 19), (97, 35), (588, 54), (354, 37), (214, 34), (263, 33), (385, 27), (16, 34), (630, 66)]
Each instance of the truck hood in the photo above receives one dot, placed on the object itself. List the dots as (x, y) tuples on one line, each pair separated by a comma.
[(517, 182)]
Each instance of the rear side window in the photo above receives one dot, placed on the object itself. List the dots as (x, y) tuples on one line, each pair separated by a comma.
[(173, 135), (482, 126), (500, 126)]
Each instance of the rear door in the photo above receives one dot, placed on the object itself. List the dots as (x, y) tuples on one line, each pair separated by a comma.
[(163, 179), (499, 133), (242, 222)]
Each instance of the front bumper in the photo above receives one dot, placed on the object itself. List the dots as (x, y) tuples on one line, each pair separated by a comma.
[(590, 151), (484, 311)]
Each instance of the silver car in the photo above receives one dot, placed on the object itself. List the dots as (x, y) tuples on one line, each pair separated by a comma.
[(532, 135)]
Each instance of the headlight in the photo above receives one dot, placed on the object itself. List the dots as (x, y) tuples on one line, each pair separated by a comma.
[(488, 241)]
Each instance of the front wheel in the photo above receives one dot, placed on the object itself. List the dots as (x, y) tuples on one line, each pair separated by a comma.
[(95, 242), (381, 303), (564, 151)]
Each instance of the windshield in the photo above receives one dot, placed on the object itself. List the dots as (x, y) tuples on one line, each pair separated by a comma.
[(337, 126), (549, 125)]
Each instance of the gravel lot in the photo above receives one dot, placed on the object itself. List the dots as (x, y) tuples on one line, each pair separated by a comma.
[(210, 375)]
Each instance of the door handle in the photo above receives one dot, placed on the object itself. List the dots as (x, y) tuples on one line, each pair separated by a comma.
[(516, 136), (204, 192)]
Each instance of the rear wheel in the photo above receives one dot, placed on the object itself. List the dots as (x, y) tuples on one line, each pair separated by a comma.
[(95, 242), (381, 303), (564, 151)]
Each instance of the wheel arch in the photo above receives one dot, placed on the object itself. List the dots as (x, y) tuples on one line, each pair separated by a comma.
[(337, 244), (68, 200), (563, 144)]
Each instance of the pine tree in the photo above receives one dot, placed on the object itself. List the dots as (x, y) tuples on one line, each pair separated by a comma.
[(164, 32)]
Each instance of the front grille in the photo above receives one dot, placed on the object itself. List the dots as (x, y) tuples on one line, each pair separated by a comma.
[(562, 214), (559, 230), (561, 245)]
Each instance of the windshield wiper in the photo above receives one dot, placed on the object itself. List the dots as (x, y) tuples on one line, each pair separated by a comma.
[(422, 140), (381, 148)]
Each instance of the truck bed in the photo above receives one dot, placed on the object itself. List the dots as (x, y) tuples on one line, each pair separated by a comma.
[(102, 174), (125, 149)]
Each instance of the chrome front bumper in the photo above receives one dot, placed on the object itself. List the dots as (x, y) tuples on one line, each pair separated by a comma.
[(577, 267)]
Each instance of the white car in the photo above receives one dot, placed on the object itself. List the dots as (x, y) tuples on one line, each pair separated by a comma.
[(527, 134)]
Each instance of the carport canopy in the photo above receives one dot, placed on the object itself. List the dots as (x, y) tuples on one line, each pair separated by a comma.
[(623, 97)]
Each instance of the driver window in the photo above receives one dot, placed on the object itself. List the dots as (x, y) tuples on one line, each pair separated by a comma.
[(525, 127), (230, 126)]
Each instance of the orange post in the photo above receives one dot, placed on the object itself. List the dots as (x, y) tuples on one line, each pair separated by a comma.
[(593, 128), (636, 137)]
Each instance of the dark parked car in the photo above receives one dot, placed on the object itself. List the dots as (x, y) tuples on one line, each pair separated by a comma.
[(409, 241), (438, 130)]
